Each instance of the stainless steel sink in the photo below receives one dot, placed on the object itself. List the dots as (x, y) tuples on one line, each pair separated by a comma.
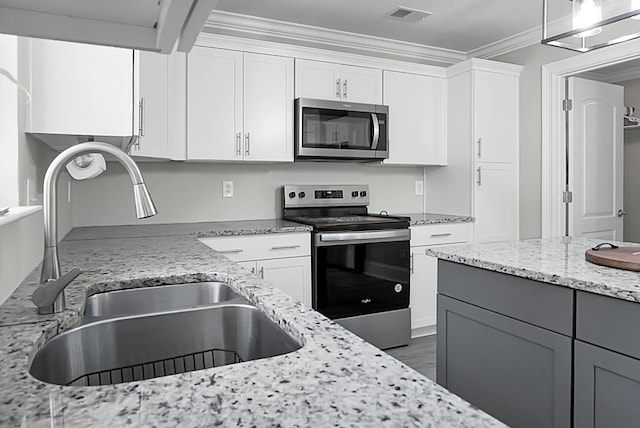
[(117, 350), (157, 299)]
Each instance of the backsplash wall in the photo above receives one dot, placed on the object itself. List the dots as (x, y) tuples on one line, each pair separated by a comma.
[(192, 192)]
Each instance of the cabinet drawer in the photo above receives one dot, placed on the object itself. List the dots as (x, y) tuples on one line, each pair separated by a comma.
[(258, 247), (545, 305), (608, 322), (444, 233)]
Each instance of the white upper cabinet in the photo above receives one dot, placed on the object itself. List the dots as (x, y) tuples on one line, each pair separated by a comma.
[(81, 89), (337, 82), (417, 118), (495, 118), (240, 106)]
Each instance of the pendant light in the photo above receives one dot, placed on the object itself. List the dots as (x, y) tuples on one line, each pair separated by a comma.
[(585, 25)]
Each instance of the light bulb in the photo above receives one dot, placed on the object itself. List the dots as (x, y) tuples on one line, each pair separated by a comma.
[(585, 13)]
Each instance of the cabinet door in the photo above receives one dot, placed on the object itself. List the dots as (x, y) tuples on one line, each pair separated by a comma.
[(268, 108), (292, 275), (607, 388), (361, 84), (417, 109), (316, 79), (516, 372), (81, 89), (153, 118), (214, 104), (495, 116), (424, 285), (495, 202)]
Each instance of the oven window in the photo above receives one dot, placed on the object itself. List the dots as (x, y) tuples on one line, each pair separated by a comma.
[(323, 128), (361, 279)]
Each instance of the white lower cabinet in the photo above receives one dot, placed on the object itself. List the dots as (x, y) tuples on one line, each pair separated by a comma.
[(424, 270), (282, 259)]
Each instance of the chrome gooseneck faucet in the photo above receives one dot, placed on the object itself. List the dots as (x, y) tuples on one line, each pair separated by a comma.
[(49, 297)]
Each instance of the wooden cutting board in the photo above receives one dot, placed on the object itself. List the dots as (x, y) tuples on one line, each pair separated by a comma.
[(627, 258)]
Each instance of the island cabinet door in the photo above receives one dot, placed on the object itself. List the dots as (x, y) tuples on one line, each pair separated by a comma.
[(607, 388), (515, 371)]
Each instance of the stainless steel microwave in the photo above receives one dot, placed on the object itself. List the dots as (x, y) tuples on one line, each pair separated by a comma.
[(335, 130)]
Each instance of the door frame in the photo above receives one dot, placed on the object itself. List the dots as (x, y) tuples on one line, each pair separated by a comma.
[(553, 125)]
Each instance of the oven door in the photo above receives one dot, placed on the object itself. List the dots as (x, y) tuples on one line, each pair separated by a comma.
[(359, 273)]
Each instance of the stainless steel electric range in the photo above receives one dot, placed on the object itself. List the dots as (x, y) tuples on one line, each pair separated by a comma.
[(360, 261)]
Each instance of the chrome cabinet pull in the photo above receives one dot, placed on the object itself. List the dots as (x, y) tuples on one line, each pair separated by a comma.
[(232, 250), (238, 149), (285, 247), (411, 267), (246, 144), (141, 117), (253, 270), (440, 235), (262, 272), (344, 86), (338, 88), (479, 176), (479, 142)]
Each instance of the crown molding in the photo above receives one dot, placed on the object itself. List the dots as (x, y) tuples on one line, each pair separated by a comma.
[(483, 65), (261, 27), (509, 44)]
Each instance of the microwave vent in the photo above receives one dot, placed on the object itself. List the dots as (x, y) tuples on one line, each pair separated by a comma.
[(409, 15)]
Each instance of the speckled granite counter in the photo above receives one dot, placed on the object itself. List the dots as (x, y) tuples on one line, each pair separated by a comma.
[(431, 218), (335, 379), (556, 261)]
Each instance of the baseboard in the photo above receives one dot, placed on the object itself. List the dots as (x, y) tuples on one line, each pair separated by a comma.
[(423, 331)]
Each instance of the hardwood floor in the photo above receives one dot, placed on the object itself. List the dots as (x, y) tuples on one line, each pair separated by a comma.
[(420, 355)]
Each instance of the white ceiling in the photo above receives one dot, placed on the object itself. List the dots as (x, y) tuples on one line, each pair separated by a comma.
[(458, 25)]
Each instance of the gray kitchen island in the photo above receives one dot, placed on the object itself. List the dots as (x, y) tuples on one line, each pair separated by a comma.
[(535, 335)]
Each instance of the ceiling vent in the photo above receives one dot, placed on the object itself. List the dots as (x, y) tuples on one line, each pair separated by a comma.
[(409, 15)]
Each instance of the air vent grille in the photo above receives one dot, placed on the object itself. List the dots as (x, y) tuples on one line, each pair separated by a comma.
[(406, 14)]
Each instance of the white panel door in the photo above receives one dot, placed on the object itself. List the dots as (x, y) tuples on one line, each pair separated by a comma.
[(596, 150), (292, 275), (495, 116), (361, 84), (417, 109), (268, 108), (153, 78), (316, 79), (214, 104), (495, 202)]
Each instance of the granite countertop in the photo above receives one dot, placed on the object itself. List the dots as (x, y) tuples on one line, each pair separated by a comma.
[(417, 219), (335, 379), (557, 261)]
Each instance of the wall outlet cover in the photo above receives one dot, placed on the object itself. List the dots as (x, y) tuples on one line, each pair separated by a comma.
[(419, 187), (227, 189)]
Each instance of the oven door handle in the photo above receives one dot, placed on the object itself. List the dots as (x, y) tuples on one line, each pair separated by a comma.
[(324, 239)]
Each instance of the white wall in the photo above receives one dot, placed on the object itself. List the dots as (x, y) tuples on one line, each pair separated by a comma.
[(185, 192), (632, 166), (532, 58)]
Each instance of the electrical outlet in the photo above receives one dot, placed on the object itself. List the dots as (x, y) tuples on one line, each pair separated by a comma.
[(419, 187), (227, 189)]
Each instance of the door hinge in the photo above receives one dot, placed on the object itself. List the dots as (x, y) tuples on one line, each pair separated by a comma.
[(567, 105), (567, 197)]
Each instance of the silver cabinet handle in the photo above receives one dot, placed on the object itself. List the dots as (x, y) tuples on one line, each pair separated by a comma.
[(247, 147), (262, 272), (411, 266), (253, 270), (344, 88), (141, 117), (621, 213), (338, 88), (376, 131), (440, 235), (232, 250), (285, 247), (479, 176), (238, 149), (479, 142)]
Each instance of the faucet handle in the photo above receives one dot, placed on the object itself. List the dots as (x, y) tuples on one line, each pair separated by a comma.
[(49, 297)]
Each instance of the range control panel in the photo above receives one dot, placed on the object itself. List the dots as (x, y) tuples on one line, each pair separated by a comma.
[(325, 195)]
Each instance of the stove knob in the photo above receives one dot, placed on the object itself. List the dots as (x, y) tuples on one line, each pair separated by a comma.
[(292, 194), (301, 195), (363, 193), (354, 194)]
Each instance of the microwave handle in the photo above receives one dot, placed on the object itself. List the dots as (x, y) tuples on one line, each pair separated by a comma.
[(376, 132)]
